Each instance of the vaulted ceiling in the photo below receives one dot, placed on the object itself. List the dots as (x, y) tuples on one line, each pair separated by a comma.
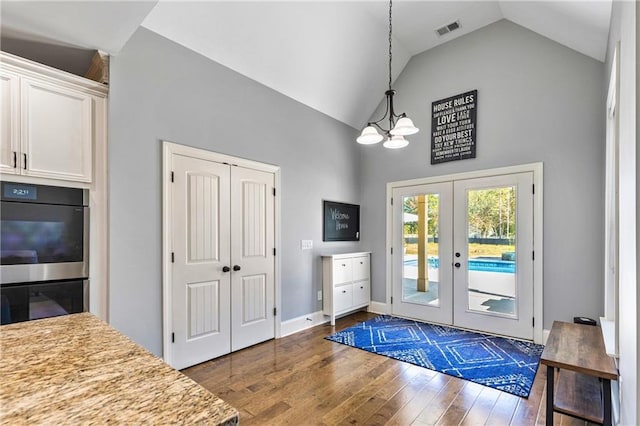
[(329, 55)]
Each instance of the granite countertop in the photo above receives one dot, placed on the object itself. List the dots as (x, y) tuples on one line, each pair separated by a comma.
[(78, 369)]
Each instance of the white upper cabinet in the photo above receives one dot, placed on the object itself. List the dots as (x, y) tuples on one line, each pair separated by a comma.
[(49, 121), (10, 123)]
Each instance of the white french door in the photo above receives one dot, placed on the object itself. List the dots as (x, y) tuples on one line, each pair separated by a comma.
[(493, 254), (222, 268), (422, 272), (466, 254)]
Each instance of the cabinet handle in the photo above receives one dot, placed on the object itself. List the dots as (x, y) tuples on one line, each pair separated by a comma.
[(361, 286), (344, 264), (15, 160), (361, 263), (25, 161), (344, 291)]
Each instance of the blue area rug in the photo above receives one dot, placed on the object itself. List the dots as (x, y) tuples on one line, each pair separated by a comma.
[(500, 363)]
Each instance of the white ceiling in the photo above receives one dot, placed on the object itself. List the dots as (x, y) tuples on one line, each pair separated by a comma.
[(329, 55)]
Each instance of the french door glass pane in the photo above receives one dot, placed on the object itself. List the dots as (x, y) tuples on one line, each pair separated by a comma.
[(491, 265), (420, 265)]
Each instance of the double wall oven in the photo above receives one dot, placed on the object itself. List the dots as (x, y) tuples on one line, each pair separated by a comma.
[(44, 244)]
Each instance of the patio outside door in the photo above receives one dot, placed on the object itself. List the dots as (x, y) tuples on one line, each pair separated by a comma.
[(466, 253)]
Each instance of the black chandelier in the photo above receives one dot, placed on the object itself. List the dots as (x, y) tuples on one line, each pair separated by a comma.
[(399, 124)]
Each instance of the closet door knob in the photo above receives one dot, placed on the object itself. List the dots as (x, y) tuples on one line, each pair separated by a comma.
[(225, 269), (236, 267)]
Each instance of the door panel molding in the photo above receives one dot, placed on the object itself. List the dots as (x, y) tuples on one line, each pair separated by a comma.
[(169, 150), (537, 170)]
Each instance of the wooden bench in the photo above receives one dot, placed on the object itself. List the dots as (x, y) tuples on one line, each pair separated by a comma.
[(585, 373)]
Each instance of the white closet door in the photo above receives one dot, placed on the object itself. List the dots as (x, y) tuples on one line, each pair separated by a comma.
[(201, 239), (252, 243)]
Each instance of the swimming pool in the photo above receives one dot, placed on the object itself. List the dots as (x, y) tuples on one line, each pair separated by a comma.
[(475, 264)]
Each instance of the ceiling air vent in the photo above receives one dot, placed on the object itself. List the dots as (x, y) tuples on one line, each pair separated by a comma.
[(448, 28)]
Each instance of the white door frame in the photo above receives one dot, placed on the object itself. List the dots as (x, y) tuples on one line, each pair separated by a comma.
[(536, 169), (169, 149)]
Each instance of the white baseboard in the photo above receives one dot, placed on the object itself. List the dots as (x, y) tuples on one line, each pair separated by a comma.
[(378, 307), (303, 322)]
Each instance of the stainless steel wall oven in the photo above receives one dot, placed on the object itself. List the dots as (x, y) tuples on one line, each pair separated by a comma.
[(44, 245)]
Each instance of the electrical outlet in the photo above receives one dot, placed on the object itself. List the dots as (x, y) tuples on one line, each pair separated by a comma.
[(306, 244), (319, 294)]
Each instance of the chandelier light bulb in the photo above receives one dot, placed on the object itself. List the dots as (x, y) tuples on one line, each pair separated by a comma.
[(369, 136), (396, 142), (404, 127)]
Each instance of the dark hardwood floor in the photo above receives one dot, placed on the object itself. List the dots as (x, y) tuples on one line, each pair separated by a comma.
[(303, 379)]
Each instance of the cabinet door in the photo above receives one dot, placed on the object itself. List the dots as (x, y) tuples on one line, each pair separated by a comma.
[(57, 131), (360, 268), (361, 293), (342, 298), (10, 122), (341, 271)]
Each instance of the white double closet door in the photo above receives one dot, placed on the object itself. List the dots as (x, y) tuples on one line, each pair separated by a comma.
[(222, 274)]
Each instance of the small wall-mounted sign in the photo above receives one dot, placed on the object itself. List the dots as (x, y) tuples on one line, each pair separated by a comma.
[(453, 128), (341, 222)]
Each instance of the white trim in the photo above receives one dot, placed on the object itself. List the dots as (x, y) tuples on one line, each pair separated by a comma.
[(40, 72), (378, 307), (301, 323), (169, 149), (278, 262), (538, 284), (608, 329), (612, 209)]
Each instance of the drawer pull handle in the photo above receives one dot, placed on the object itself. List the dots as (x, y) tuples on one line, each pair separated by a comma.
[(344, 264), (361, 263), (361, 286)]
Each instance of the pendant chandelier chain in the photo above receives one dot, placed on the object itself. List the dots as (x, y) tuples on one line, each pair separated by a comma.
[(390, 42), (399, 124)]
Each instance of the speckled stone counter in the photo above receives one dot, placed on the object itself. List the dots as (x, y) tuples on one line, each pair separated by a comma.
[(77, 369)]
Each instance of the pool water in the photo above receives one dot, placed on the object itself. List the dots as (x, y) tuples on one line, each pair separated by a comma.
[(484, 264)]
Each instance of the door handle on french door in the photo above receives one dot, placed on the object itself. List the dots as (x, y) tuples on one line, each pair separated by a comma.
[(457, 264), (236, 267), (225, 269)]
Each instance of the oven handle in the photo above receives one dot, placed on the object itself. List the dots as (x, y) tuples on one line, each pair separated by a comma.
[(85, 242)]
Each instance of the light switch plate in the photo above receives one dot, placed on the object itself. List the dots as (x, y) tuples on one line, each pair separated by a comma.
[(306, 244)]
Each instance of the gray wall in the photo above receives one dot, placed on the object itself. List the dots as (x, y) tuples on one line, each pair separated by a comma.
[(537, 102), (162, 91)]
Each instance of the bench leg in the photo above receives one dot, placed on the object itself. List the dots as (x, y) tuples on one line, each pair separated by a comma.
[(549, 418), (606, 390)]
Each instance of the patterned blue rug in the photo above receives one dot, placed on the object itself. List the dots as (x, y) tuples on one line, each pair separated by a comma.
[(500, 363)]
